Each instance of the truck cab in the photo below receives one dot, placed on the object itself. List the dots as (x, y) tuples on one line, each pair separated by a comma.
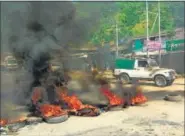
[(127, 69)]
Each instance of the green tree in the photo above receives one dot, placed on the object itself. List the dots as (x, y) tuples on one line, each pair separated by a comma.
[(131, 19)]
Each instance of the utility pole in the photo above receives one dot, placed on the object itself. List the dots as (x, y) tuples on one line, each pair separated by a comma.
[(159, 32), (147, 32), (154, 24), (116, 40)]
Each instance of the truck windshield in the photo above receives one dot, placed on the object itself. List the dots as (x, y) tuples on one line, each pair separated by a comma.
[(152, 63)]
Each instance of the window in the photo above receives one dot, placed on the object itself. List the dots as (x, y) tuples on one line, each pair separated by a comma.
[(142, 63), (152, 63)]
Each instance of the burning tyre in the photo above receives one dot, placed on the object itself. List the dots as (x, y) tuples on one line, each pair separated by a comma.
[(139, 97), (13, 125), (115, 102), (53, 113), (75, 106), (122, 98)]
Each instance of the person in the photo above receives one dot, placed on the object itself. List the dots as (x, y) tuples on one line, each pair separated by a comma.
[(44, 91), (94, 70), (41, 96)]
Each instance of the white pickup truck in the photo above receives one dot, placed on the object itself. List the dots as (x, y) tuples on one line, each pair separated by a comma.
[(143, 69)]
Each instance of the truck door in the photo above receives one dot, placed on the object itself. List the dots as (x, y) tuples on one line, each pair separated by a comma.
[(141, 69)]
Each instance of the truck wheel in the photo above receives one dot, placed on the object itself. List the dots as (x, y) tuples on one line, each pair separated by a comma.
[(160, 81), (124, 78)]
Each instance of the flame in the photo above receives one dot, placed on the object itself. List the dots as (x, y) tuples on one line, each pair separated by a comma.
[(73, 102), (48, 110), (114, 100), (36, 95), (3, 122), (139, 99)]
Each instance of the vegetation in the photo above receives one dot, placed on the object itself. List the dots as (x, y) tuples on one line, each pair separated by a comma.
[(131, 19)]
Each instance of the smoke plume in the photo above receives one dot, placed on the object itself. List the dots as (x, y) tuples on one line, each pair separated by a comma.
[(31, 31)]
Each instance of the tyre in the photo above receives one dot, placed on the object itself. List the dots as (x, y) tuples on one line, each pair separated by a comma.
[(16, 126), (88, 112), (173, 97), (34, 120), (160, 81), (54, 120), (124, 78), (116, 108)]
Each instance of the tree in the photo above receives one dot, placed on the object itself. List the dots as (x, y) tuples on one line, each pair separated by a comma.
[(177, 10), (131, 19)]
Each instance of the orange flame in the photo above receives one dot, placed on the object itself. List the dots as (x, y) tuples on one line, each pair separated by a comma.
[(3, 122), (36, 95), (139, 99), (114, 100), (73, 102), (48, 110)]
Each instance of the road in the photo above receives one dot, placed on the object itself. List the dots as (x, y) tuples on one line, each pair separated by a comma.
[(157, 118)]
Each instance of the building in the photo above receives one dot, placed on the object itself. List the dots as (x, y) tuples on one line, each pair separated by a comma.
[(138, 43), (179, 33)]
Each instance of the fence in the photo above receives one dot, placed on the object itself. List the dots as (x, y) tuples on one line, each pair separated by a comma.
[(104, 58), (174, 60)]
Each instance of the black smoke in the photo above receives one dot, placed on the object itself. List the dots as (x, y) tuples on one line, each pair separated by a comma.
[(45, 26), (33, 32)]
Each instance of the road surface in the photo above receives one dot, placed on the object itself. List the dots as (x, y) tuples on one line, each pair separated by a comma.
[(157, 118)]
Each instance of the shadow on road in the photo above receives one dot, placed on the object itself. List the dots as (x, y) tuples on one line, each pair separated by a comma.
[(146, 83), (153, 84)]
